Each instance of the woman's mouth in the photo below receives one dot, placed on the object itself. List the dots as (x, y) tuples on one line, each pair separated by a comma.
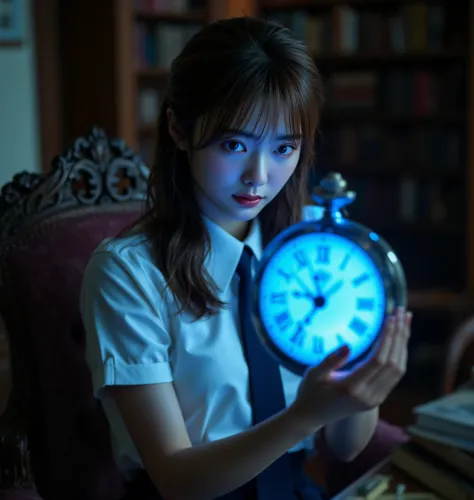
[(247, 200)]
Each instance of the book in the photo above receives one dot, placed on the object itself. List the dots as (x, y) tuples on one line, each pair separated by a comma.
[(459, 460), (443, 438), (432, 472), (452, 414)]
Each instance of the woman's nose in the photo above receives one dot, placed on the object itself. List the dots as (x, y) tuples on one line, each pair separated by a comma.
[(256, 172)]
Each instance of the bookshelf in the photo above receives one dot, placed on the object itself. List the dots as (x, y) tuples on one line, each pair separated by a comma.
[(159, 37), (398, 123), (114, 62)]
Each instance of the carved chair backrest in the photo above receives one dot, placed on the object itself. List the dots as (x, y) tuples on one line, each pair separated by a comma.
[(94, 171), (49, 226)]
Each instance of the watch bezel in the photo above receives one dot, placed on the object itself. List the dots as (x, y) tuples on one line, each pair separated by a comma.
[(377, 249)]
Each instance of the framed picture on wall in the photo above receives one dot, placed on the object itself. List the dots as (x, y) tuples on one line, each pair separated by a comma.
[(11, 22)]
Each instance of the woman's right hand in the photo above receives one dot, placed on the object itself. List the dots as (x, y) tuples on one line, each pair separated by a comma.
[(326, 395)]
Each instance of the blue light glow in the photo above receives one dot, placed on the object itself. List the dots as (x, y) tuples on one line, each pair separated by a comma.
[(320, 290), (374, 236)]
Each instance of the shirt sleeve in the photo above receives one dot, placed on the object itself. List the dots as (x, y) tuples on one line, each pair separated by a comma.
[(127, 342)]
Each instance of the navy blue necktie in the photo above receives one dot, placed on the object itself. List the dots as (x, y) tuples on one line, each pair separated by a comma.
[(266, 390)]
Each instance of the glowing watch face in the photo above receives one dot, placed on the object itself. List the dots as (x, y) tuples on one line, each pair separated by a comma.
[(318, 291)]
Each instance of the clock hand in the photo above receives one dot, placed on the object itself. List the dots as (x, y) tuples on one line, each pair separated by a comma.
[(317, 282), (302, 284), (299, 295), (318, 301), (334, 288), (309, 317)]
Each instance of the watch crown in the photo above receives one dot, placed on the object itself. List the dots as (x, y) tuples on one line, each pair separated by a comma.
[(332, 194), (333, 183)]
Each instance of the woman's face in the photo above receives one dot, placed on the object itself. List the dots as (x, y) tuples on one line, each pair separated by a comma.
[(242, 171)]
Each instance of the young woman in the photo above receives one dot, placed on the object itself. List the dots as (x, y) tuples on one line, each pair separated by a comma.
[(165, 344)]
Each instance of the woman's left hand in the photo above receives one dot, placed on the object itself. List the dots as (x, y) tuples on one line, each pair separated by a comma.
[(388, 362)]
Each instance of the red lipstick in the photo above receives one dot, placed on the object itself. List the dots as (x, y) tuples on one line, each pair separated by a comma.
[(247, 200)]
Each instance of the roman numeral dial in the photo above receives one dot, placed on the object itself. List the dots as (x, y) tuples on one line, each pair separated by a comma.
[(317, 292)]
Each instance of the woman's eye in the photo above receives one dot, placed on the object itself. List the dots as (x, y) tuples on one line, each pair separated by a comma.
[(234, 146), (285, 150)]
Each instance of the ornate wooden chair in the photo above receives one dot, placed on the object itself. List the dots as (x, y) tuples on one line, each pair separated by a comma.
[(54, 441), (49, 225)]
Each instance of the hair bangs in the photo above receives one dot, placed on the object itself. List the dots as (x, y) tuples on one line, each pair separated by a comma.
[(257, 105)]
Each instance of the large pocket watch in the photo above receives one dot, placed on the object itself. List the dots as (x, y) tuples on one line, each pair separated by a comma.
[(324, 282)]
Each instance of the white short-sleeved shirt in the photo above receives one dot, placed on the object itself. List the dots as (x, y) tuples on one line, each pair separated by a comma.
[(134, 335)]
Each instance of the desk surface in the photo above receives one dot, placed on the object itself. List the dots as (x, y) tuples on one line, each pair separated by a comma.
[(413, 489)]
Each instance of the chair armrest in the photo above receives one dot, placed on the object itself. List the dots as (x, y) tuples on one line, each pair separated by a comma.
[(15, 470), (20, 494), (459, 361)]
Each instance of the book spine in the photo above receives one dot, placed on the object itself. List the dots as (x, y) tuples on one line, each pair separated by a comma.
[(435, 478)]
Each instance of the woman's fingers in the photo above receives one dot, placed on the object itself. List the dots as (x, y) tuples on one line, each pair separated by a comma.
[(376, 377), (395, 368), (372, 366)]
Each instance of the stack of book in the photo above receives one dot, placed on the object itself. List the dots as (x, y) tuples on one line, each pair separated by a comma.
[(440, 453)]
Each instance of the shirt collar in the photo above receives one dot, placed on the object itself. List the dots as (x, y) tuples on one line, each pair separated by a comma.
[(225, 251)]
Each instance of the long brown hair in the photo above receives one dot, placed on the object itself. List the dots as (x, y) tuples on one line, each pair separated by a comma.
[(220, 76)]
